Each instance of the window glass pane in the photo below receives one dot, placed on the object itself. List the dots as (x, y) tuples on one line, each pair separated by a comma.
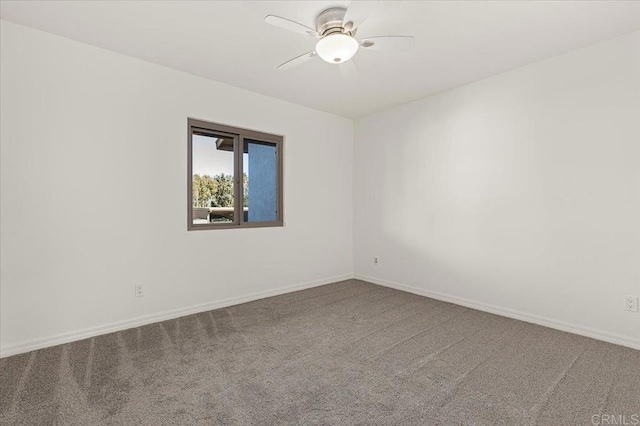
[(213, 168), (260, 164)]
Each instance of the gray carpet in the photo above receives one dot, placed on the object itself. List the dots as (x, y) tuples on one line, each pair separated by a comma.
[(344, 353)]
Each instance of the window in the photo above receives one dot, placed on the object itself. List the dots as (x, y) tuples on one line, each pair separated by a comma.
[(235, 177)]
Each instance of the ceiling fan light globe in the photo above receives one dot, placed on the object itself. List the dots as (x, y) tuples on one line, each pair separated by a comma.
[(337, 48)]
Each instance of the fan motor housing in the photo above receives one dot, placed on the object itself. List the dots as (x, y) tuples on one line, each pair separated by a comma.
[(329, 21)]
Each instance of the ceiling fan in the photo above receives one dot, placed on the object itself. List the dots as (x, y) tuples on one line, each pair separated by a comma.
[(335, 33)]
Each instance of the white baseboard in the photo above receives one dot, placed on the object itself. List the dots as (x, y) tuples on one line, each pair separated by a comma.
[(58, 339), (605, 336), (30, 345)]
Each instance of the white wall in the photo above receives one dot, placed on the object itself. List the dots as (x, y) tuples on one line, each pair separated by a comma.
[(94, 193), (518, 194)]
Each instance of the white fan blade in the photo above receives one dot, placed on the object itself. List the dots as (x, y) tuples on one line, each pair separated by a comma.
[(290, 25), (394, 43), (297, 60), (348, 70), (357, 12)]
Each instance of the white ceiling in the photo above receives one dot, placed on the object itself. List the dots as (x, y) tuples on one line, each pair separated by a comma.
[(457, 42)]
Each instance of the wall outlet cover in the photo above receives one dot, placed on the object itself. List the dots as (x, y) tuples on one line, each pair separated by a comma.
[(139, 290), (631, 303)]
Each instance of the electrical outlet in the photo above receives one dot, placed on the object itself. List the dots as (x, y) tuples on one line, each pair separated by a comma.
[(631, 303), (375, 261), (139, 290)]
